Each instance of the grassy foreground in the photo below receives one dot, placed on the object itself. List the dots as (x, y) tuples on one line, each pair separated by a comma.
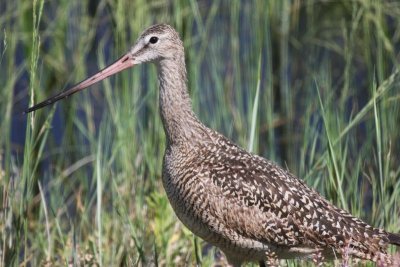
[(313, 85)]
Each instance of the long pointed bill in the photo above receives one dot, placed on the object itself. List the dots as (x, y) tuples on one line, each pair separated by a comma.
[(123, 63)]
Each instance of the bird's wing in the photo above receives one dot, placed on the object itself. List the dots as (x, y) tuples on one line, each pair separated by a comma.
[(264, 202)]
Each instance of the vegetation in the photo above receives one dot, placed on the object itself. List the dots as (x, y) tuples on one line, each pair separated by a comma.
[(312, 85)]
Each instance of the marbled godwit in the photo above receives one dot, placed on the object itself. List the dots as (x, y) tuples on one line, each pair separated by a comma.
[(248, 206)]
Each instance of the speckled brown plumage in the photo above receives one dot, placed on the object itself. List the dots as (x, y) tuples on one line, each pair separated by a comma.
[(242, 203), (249, 207)]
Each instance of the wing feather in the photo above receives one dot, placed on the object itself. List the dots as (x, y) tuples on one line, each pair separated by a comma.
[(269, 204)]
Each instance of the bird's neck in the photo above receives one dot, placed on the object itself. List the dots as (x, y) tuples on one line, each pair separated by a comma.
[(180, 122)]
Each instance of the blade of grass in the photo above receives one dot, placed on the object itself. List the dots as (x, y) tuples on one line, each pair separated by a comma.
[(382, 90), (46, 216), (99, 191), (250, 145), (379, 146), (336, 182)]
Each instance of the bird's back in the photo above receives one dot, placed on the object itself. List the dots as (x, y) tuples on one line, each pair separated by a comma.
[(247, 205)]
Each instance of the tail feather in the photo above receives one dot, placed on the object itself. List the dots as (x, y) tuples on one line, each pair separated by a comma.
[(394, 239)]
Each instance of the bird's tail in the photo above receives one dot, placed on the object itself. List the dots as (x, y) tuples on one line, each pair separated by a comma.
[(394, 239)]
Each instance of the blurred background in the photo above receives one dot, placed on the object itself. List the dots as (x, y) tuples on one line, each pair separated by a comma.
[(310, 84)]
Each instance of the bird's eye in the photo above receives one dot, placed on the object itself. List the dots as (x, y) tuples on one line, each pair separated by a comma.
[(153, 40)]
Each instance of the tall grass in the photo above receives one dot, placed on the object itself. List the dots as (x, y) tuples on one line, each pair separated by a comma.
[(313, 85)]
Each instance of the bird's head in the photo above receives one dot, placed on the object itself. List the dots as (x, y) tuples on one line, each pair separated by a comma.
[(157, 43)]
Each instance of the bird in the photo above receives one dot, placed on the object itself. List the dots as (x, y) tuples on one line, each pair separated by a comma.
[(249, 207)]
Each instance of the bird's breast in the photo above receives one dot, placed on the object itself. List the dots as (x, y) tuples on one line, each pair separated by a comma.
[(185, 186), (200, 204)]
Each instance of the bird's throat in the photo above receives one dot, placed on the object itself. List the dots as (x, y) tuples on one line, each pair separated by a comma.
[(176, 111)]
